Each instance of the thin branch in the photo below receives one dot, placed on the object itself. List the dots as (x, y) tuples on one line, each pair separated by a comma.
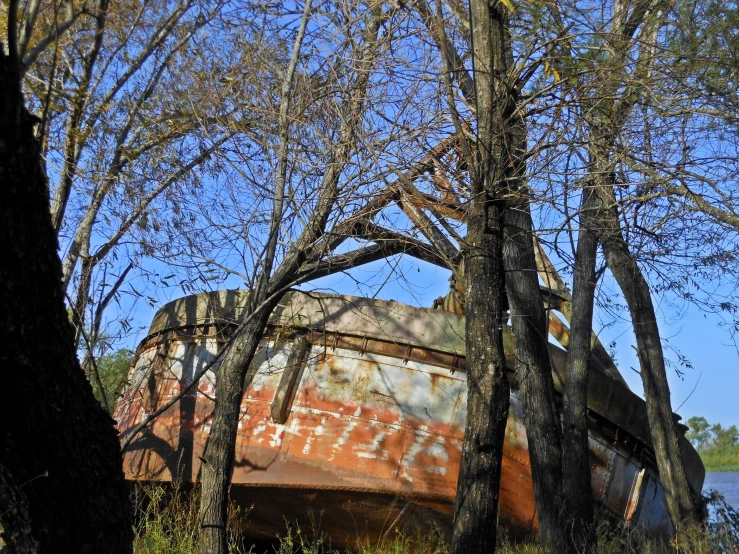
[(53, 36)]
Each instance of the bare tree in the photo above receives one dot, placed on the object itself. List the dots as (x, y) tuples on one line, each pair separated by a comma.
[(124, 129), (234, 374), (606, 103), (500, 111), (488, 390)]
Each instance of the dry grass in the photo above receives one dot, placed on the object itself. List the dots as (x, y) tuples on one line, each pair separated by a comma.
[(167, 523)]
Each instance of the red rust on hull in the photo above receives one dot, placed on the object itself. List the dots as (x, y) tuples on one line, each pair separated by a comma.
[(373, 421)]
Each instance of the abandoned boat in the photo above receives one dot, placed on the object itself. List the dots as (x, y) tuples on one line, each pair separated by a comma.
[(355, 419)]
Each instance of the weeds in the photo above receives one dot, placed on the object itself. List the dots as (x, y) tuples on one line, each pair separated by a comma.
[(398, 543), (295, 542), (167, 522), (723, 525)]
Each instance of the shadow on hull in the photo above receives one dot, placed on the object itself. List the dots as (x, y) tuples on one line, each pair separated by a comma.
[(355, 420)]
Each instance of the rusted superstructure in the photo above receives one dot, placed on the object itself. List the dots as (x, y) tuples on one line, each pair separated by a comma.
[(357, 414)]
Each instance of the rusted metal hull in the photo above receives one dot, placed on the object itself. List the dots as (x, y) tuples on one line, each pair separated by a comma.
[(372, 401)]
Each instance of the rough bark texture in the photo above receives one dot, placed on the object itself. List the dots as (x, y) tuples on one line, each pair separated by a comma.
[(56, 441), (488, 390), (575, 455), (218, 459), (636, 291), (613, 103), (496, 97), (530, 328), (530, 335), (15, 517)]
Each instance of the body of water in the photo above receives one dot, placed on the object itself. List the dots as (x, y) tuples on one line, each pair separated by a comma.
[(727, 483)]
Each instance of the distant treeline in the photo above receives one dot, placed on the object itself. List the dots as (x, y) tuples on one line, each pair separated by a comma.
[(718, 447)]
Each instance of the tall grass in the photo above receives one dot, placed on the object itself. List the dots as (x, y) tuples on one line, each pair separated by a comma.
[(167, 520), (167, 523), (295, 541)]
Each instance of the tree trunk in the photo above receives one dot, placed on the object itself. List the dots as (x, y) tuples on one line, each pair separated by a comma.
[(55, 439), (81, 300), (233, 378), (530, 329), (635, 289), (530, 335), (496, 98), (576, 476), (488, 390), (16, 521)]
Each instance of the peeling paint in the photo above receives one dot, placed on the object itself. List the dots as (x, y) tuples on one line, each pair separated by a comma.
[(363, 422)]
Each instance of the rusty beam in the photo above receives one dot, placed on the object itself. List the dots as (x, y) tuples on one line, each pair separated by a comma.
[(387, 243), (427, 227), (353, 225), (556, 289)]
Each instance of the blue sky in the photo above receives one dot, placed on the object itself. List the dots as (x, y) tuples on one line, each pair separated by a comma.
[(715, 371), (698, 337)]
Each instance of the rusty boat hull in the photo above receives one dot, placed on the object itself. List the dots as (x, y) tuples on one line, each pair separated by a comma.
[(355, 419)]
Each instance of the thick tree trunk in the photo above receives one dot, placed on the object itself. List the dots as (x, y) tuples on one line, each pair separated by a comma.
[(496, 98), (55, 439), (488, 390), (636, 291), (233, 378), (575, 454), (530, 336), (15, 518)]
